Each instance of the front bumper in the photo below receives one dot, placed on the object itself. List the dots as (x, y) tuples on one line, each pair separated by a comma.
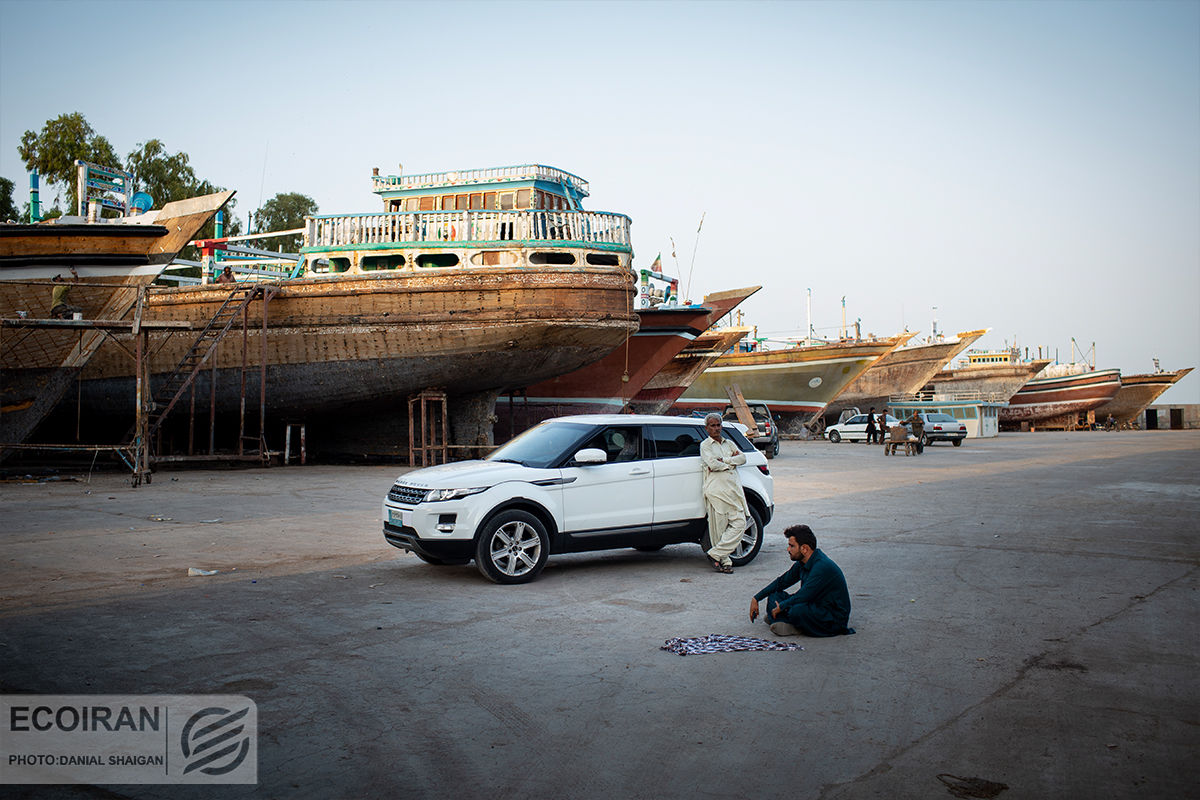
[(407, 538)]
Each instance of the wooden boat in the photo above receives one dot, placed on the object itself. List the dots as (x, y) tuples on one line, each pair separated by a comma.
[(903, 371), (1136, 393), (986, 375), (1060, 394), (610, 384), (473, 282), (795, 382), (111, 260), (662, 391)]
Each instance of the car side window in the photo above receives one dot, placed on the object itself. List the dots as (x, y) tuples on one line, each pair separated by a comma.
[(620, 444), (676, 441), (860, 419)]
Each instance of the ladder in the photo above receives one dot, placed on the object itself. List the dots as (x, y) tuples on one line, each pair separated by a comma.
[(170, 390)]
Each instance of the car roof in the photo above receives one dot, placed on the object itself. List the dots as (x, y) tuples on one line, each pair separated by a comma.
[(629, 419)]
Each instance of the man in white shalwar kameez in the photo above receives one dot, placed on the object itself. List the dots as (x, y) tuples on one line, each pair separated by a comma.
[(723, 497)]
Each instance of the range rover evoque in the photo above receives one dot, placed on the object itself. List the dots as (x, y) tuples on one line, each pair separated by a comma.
[(571, 484)]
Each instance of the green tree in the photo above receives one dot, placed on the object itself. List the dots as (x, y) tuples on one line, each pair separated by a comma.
[(284, 212), (53, 153), (8, 209)]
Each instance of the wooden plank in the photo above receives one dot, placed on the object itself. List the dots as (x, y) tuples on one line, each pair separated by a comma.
[(742, 410)]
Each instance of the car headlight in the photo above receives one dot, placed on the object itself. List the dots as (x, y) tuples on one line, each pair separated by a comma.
[(435, 495)]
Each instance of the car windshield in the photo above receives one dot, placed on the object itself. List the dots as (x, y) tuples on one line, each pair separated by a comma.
[(542, 445)]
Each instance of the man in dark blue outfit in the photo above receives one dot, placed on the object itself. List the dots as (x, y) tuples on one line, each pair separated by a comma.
[(821, 606)]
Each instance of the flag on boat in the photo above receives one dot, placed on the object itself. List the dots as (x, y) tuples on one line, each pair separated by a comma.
[(657, 265)]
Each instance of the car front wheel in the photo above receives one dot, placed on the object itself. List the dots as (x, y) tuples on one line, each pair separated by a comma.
[(835, 437), (750, 542), (512, 548)]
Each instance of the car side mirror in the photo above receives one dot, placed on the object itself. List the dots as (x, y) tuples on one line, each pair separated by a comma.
[(591, 455)]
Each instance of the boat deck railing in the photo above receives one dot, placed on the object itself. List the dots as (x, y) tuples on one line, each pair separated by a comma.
[(468, 177), (438, 228)]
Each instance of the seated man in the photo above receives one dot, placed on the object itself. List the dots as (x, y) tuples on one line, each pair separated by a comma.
[(821, 606)]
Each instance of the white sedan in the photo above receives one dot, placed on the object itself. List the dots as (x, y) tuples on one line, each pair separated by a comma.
[(855, 428)]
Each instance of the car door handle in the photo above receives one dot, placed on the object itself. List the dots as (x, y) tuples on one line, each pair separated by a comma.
[(639, 471)]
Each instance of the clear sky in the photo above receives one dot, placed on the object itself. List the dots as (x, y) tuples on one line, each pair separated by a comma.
[(1033, 168)]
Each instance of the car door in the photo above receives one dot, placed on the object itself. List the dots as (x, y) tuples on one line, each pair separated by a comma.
[(678, 483), (855, 428), (606, 503)]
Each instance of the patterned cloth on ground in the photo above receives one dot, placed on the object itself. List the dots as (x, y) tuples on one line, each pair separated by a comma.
[(722, 643)]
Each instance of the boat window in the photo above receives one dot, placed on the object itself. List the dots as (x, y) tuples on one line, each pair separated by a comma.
[(506, 201), (551, 258), (603, 259), (318, 266), (437, 260), (523, 198), (372, 263), (477, 200), (460, 202), (339, 265), (427, 203), (448, 202), (489, 200), (493, 258), (395, 205)]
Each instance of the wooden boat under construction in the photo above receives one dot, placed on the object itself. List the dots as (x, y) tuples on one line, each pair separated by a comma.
[(991, 376), (663, 390), (1058, 396), (1136, 393), (103, 263), (610, 384), (795, 382), (519, 286), (903, 371)]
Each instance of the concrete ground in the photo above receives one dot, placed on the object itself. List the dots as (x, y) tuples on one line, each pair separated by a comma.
[(1026, 610)]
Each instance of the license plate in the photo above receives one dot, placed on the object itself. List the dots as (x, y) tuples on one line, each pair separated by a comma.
[(403, 518)]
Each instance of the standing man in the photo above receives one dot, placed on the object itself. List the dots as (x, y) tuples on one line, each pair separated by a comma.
[(821, 606), (871, 426), (883, 427), (723, 496)]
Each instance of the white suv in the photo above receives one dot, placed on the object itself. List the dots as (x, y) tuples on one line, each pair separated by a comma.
[(571, 484)]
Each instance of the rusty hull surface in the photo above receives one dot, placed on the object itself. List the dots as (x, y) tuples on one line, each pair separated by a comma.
[(332, 342)]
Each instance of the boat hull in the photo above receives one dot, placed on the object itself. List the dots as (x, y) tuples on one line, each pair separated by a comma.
[(333, 342), (1061, 396), (607, 385), (795, 383), (993, 383), (1136, 393), (902, 371), (665, 388), (112, 261)]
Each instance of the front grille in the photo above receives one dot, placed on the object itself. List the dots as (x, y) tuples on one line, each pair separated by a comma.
[(410, 495)]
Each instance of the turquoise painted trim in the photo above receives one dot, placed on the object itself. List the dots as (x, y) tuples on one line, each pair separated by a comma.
[(505, 244)]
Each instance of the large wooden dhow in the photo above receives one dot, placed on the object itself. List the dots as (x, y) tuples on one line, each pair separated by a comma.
[(473, 282), (988, 375), (1136, 393), (663, 390), (1060, 395), (903, 371), (103, 262), (796, 382)]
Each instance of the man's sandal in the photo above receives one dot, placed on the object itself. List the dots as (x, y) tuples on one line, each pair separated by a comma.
[(716, 565)]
